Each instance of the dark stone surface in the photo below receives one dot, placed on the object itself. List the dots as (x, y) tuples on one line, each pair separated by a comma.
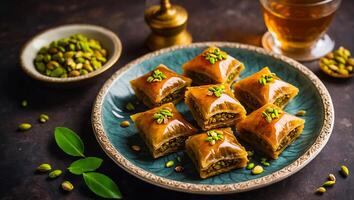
[(212, 20)]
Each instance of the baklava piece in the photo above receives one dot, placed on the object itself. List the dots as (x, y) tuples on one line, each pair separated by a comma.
[(213, 66), (163, 129), (216, 151), (270, 130), (264, 87), (160, 86), (214, 106)]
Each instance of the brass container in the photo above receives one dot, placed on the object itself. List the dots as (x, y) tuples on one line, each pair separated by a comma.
[(168, 24)]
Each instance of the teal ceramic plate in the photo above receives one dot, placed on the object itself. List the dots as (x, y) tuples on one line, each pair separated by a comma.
[(109, 111)]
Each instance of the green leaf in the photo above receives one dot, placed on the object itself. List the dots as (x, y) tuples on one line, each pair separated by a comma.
[(69, 141), (102, 185), (85, 165)]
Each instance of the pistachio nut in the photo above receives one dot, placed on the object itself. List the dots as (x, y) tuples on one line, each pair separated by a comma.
[(257, 170), (44, 167), (67, 186), (55, 173), (300, 113), (328, 183), (331, 177), (250, 166), (344, 170), (125, 124), (321, 190), (169, 163), (24, 126)]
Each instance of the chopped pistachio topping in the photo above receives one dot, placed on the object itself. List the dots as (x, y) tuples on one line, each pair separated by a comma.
[(162, 116), (214, 55), (169, 163), (266, 78), (213, 136), (271, 113), (156, 76), (264, 162), (216, 90), (130, 106)]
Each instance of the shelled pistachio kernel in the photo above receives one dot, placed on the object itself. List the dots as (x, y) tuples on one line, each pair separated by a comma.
[(338, 63), (344, 171), (264, 162), (55, 173), (24, 126), (67, 186), (328, 183), (44, 167), (130, 106), (43, 118), (300, 113), (24, 103), (321, 190), (125, 124), (257, 170), (169, 163), (250, 166)]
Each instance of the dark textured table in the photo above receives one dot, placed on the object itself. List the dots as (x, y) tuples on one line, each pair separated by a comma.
[(212, 20)]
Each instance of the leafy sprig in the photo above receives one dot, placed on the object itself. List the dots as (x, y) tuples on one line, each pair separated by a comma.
[(214, 54), (213, 136), (216, 90), (271, 113), (98, 183), (266, 78), (156, 76), (162, 116)]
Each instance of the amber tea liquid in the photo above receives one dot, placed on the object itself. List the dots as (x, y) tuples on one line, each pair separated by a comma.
[(296, 24)]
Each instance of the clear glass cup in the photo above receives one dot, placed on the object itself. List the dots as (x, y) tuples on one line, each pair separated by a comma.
[(297, 28)]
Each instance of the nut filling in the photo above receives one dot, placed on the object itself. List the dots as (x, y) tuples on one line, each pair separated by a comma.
[(261, 143), (252, 138), (286, 140), (174, 96), (248, 100), (175, 143), (215, 119), (281, 101), (232, 76), (199, 78), (220, 165)]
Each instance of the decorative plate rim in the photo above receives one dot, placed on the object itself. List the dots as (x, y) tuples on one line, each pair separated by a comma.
[(302, 161)]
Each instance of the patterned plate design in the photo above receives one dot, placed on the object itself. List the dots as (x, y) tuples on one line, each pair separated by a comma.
[(109, 111)]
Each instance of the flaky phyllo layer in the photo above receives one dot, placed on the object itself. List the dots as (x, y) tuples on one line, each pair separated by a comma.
[(211, 111), (163, 129), (206, 68), (160, 86), (270, 135), (264, 87), (215, 157)]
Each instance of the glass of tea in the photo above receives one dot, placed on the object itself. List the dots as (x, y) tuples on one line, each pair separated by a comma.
[(297, 28)]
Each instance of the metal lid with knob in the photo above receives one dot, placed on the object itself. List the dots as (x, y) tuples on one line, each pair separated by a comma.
[(168, 24)]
